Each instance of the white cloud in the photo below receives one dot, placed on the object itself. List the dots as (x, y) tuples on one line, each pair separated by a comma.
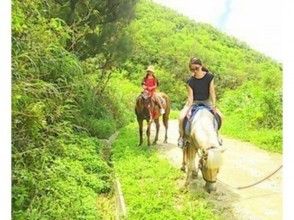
[(207, 11), (257, 22)]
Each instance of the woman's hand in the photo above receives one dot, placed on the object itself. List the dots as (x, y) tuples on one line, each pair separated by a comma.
[(214, 109)]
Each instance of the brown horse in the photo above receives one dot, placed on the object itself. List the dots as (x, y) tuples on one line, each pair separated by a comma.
[(145, 105)]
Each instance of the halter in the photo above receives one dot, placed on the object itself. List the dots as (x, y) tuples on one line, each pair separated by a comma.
[(202, 158)]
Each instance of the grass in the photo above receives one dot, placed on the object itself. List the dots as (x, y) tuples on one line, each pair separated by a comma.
[(74, 183), (270, 140), (151, 185), (174, 114)]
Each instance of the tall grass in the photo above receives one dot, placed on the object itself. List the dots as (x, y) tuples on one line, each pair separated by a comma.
[(254, 114)]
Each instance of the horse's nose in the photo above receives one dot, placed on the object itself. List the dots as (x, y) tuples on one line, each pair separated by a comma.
[(209, 187)]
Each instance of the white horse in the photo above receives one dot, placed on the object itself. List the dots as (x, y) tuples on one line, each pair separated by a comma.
[(203, 138)]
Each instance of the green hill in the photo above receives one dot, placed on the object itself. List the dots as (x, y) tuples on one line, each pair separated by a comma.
[(248, 83)]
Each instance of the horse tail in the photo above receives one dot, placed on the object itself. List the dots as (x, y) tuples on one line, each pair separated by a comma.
[(214, 158)]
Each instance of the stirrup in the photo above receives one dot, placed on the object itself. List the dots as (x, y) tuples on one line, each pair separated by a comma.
[(220, 141), (162, 111)]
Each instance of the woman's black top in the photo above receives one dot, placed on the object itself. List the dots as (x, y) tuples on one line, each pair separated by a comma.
[(200, 87)]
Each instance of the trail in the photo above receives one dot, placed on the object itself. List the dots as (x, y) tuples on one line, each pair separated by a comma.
[(243, 164)]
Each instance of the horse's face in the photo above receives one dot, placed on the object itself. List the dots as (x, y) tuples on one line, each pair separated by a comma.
[(143, 105), (145, 100), (210, 163)]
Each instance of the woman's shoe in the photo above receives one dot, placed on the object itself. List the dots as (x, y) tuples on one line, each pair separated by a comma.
[(180, 142)]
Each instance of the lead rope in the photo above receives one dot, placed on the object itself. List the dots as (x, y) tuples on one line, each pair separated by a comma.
[(253, 184)]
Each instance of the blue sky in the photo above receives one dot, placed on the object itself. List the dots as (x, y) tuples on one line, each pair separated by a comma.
[(222, 20), (257, 22)]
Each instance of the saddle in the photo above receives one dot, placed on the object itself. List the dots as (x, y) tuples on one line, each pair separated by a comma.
[(191, 114)]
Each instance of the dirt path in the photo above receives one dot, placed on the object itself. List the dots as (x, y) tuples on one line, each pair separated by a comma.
[(243, 164)]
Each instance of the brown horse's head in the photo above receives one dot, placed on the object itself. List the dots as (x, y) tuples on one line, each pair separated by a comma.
[(143, 104)]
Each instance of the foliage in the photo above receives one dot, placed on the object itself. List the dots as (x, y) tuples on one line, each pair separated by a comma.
[(97, 27), (253, 114), (261, 109), (58, 169), (64, 182), (268, 139)]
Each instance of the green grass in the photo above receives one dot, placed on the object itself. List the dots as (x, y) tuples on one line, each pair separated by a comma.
[(267, 139), (71, 185), (151, 185), (174, 114)]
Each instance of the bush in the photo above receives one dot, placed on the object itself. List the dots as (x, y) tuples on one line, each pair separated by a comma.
[(253, 114)]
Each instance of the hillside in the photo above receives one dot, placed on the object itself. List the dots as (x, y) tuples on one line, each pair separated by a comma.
[(248, 83)]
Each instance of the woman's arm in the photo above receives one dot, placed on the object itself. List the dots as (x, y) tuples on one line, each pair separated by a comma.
[(190, 96), (143, 84), (212, 93)]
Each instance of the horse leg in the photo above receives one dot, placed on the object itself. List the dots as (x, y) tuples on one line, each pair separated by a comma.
[(195, 169), (148, 132), (188, 152), (157, 130), (165, 123), (183, 168), (140, 131), (191, 163)]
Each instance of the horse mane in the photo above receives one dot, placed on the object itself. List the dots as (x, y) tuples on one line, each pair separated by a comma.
[(205, 135), (203, 130)]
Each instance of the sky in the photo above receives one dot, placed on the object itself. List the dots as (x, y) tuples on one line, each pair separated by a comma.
[(256, 22)]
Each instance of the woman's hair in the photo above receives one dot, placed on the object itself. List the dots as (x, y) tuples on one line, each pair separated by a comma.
[(195, 60), (153, 77), (151, 74), (204, 69)]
